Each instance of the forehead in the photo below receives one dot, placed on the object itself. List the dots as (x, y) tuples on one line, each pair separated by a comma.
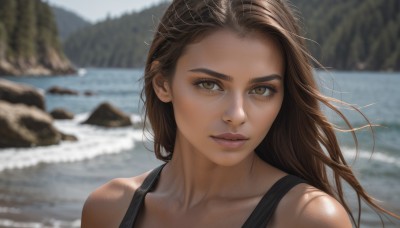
[(231, 53)]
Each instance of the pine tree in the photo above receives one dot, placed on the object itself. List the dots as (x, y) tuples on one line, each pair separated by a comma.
[(25, 33), (3, 41), (8, 17)]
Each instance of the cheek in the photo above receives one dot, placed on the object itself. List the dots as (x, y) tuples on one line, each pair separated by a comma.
[(188, 108), (264, 118), (185, 109)]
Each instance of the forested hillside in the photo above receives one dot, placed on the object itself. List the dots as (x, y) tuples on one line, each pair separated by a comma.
[(114, 42), (353, 34), (348, 35), (29, 42), (67, 22)]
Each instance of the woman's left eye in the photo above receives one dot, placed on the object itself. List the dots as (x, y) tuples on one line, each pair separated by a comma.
[(262, 91)]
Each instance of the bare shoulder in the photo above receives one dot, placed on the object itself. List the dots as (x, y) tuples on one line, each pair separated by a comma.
[(306, 206), (107, 205)]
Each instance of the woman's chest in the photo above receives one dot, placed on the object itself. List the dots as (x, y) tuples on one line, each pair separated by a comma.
[(217, 213)]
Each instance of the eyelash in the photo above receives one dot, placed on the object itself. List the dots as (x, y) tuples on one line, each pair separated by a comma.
[(198, 83), (201, 81), (271, 90)]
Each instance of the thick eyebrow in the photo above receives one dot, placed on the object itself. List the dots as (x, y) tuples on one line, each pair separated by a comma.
[(266, 78), (229, 78), (212, 73)]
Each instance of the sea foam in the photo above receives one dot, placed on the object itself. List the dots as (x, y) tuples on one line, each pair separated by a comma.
[(92, 141), (376, 156), (47, 224)]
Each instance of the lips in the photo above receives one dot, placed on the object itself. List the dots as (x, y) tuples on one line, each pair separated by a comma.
[(230, 141), (230, 136)]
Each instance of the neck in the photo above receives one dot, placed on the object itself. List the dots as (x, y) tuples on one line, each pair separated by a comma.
[(192, 179)]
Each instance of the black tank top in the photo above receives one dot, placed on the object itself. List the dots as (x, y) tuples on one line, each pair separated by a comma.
[(260, 216)]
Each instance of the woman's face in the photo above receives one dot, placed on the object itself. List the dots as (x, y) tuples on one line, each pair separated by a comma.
[(226, 92)]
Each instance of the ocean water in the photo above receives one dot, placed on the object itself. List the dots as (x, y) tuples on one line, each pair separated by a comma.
[(47, 186)]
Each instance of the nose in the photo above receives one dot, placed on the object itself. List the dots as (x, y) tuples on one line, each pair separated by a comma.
[(234, 113)]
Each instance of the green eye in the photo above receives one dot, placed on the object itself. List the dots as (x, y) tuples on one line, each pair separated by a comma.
[(262, 91), (208, 85)]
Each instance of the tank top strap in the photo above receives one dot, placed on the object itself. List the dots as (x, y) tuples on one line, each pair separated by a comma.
[(264, 210), (138, 198)]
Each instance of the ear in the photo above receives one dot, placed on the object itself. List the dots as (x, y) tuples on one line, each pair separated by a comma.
[(162, 88)]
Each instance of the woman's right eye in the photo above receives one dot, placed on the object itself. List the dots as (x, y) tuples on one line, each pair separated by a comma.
[(209, 85)]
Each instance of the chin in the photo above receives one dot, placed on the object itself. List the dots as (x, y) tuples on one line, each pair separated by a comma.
[(229, 160)]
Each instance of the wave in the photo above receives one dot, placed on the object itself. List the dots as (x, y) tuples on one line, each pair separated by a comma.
[(376, 156), (92, 142), (82, 72), (10, 210), (46, 224)]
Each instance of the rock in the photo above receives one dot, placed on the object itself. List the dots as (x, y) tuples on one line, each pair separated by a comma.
[(6, 68), (67, 137), (24, 126), (50, 67), (88, 93), (62, 91), (21, 94), (108, 116), (61, 114)]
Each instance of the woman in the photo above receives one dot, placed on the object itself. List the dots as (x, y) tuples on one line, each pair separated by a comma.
[(234, 109)]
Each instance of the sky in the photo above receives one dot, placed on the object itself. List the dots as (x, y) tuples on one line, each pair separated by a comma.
[(95, 10)]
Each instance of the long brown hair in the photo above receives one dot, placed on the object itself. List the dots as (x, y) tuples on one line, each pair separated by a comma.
[(301, 141)]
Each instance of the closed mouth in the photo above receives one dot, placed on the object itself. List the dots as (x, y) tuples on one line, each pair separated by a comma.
[(230, 137)]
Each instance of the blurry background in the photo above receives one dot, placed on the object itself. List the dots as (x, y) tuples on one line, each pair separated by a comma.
[(78, 54)]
